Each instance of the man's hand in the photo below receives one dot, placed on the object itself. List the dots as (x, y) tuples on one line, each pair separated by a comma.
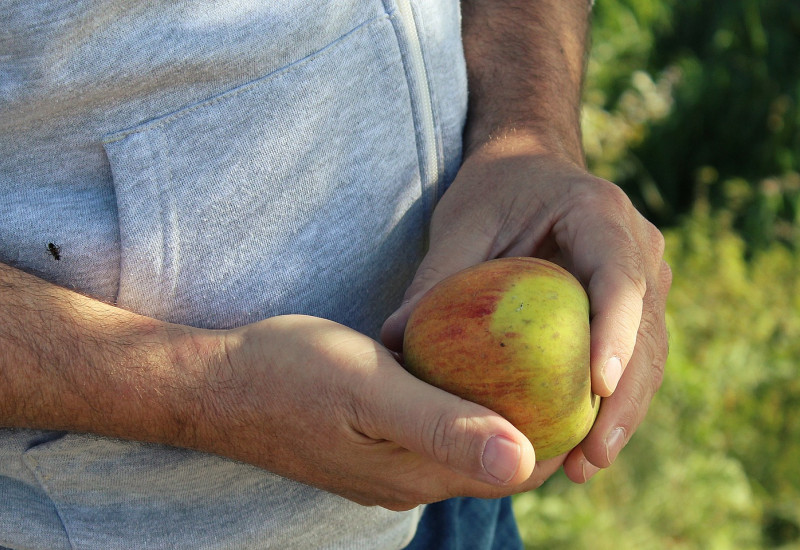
[(523, 191), (512, 199), (317, 402)]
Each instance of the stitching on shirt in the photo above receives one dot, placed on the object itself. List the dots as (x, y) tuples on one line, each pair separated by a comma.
[(244, 88), (32, 464)]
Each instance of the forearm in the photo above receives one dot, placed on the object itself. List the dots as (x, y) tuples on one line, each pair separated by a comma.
[(68, 362), (525, 63)]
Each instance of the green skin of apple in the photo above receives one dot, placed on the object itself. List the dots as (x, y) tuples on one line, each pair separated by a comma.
[(511, 334)]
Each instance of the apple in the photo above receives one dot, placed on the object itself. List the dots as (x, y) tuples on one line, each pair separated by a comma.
[(510, 334)]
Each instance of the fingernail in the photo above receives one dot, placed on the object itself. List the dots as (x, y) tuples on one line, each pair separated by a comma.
[(588, 469), (501, 458), (398, 311), (612, 372), (614, 443)]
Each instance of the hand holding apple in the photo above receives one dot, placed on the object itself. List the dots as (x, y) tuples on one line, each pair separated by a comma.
[(512, 199)]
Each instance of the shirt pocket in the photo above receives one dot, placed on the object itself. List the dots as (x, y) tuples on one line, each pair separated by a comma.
[(299, 192)]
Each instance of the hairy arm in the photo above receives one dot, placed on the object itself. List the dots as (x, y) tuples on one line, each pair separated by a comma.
[(69, 362), (525, 62)]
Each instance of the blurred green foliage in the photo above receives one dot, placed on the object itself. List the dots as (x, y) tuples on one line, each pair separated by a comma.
[(693, 107), (700, 98)]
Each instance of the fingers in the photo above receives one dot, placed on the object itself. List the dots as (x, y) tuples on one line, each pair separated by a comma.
[(463, 436), (616, 301), (622, 412), (447, 255), (616, 252), (628, 282)]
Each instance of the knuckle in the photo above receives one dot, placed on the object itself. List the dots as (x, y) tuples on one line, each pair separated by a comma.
[(657, 374), (658, 368), (443, 441), (615, 199), (605, 197), (665, 276), (619, 198), (611, 192), (634, 275), (655, 239), (653, 332), (637, 401), (642, 236), (656, 347)]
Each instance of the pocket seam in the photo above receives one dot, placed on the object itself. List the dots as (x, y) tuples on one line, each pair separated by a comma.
[(164, 120)]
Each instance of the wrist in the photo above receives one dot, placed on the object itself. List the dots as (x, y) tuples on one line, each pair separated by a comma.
[(519, 144), (507, 140), (525, 67), (231, 381), (69, 362), (193, 412), (149, 381)]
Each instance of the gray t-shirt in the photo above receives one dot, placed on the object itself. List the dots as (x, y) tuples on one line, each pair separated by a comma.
[(213, 164)]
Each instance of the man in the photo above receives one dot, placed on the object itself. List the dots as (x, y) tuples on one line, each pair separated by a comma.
[(240, 193)]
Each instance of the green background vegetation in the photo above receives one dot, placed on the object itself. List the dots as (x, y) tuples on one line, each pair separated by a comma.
[(693, 107)]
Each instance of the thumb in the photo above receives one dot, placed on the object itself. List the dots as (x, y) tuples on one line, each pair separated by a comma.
[(463, 436), (445, 257)]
